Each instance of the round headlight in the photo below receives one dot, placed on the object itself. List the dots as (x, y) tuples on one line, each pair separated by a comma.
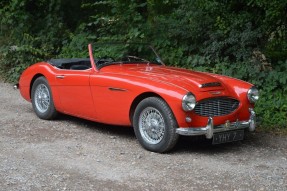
[(188, 102), (253, 94)]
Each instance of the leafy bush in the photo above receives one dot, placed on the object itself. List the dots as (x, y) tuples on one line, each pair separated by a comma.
[(31, 31), (76, 47), (15, 60)]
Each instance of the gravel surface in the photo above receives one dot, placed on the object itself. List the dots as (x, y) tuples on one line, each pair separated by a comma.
[(75, 154)]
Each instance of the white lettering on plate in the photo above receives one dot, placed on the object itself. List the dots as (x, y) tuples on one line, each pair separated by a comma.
[(224, 137)]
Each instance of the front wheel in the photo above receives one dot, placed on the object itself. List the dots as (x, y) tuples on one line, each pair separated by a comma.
[(42, 100), (155, 125)]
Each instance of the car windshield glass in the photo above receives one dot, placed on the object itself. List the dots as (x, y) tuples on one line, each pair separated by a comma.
[(123, 53)]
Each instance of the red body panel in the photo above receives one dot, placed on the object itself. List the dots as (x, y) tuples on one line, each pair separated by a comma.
[(107, 95)]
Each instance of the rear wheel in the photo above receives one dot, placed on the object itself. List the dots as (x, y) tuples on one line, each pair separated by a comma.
[(155, 125), (42, 100)]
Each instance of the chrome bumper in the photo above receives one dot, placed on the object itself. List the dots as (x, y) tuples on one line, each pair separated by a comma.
[(210, 129)]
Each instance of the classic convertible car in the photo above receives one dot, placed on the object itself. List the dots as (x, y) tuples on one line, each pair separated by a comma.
[(131, 86)]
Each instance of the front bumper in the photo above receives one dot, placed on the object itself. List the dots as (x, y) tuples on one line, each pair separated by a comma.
[(210, 129)]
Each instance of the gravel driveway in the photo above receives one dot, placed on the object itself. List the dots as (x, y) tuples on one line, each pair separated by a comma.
[(74, 154)]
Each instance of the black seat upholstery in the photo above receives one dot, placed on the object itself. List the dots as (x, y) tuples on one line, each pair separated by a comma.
[(79, 67)]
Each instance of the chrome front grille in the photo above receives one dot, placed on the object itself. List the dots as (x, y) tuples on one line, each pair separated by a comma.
[(216, 107)]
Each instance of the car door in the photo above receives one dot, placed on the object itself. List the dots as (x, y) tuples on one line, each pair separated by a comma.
[(112, 98), (75, 93)]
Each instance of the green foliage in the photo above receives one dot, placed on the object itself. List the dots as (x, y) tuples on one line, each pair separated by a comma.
[(14, 59), (31, 31), (77, 47), (245, 39)]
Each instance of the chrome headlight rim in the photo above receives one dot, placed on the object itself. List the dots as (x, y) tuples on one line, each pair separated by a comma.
[(188, 102), (253, 94)]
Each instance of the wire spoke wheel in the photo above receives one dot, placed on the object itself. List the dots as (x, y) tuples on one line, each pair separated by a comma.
[(151, 125), (42, 98), (155, 125)]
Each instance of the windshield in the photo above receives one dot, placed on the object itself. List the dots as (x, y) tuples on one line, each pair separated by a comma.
[(124, 53)]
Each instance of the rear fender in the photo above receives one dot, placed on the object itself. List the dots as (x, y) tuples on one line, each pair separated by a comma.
[(31, 74)]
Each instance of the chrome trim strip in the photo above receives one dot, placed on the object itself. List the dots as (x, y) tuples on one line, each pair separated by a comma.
[(117, 89), (60, 76), (210, 129)]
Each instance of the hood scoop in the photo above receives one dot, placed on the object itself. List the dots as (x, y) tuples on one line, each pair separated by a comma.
[(210, 84)]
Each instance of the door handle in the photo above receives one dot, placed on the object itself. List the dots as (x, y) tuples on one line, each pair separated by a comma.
[(60, 76)]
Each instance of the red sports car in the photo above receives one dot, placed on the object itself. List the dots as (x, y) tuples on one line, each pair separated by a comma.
[(129, 85)]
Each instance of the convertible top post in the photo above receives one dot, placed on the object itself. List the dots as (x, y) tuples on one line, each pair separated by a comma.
[(92, 57)]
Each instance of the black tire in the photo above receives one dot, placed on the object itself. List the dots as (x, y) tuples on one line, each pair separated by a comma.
[(42, 99), (155, 125)]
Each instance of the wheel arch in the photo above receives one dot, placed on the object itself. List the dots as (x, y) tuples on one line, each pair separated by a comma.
[(33, 80), (138, 99)]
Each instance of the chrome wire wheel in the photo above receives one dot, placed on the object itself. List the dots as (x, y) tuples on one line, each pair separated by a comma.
[(151, 125), (155, 125), (42, 98)]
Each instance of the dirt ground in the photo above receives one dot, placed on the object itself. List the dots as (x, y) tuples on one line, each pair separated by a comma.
[(75, 154)]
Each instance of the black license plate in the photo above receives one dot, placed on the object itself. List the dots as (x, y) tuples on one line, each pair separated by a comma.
[(228, 136)]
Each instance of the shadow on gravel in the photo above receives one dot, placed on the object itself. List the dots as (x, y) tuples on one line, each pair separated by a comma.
[(110, 130), (204, 146), (185, 144)]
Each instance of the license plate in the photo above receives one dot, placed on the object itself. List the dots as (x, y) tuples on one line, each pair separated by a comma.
[(228, 136)]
